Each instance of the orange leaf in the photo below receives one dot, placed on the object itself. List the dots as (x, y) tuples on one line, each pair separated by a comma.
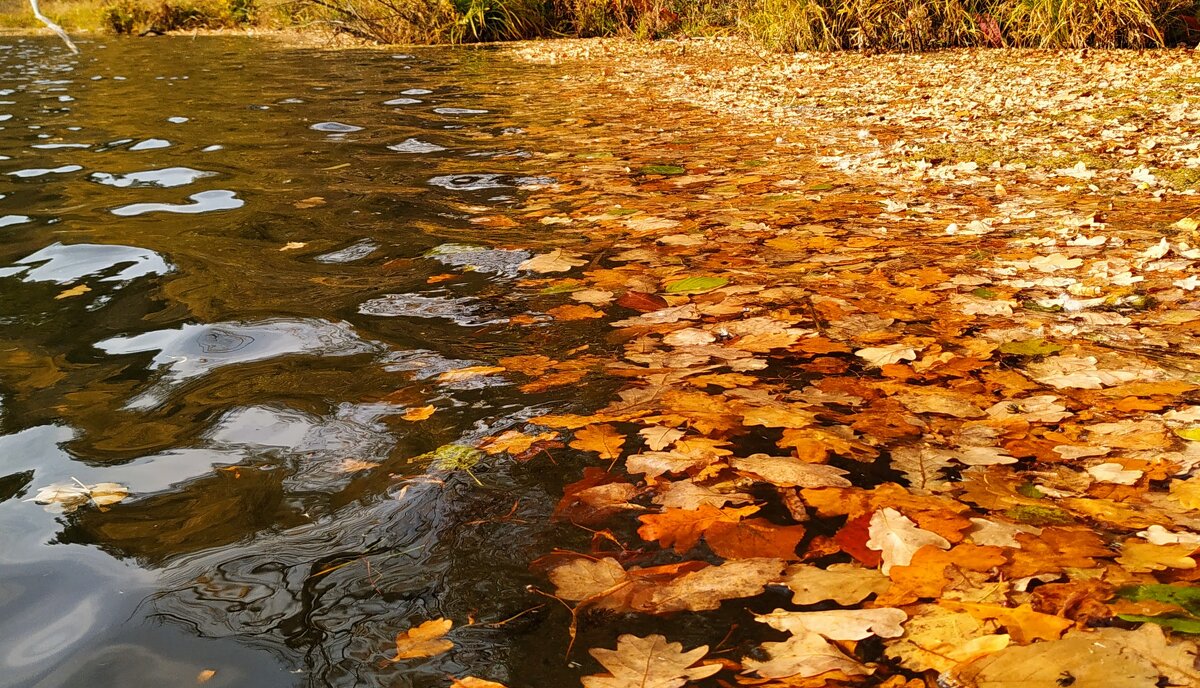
[(423, 641), (419, 413), (682, 528), (602, 439)]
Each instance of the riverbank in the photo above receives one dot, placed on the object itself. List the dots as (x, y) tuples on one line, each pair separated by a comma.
[(779, 25), (1103, 122)]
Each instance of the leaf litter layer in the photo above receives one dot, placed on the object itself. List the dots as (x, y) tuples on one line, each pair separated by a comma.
[(908, 383)]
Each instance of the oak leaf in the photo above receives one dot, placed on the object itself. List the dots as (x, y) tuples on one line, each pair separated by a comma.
[(1140, 556), (804, 655), (790, 472), (649, 662), (839, 624), (842, 583), (939, 640), (1022, 623), (897, 538), (1103, 658)]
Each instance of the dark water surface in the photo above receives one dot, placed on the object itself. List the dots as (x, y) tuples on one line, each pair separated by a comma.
[(231, 351)]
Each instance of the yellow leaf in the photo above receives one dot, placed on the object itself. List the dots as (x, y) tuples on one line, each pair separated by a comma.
[(423, 641), (77, 290), (1142, 557), (467, 373), (420, 413)]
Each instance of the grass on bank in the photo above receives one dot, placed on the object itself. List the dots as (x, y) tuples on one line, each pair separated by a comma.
[(785, 25)]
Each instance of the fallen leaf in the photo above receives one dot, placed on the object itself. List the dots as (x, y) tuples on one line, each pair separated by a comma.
[(554, 261), (76, 290), (425, 640), (602, 439), (897, 538), (649, 662), (419, 413)]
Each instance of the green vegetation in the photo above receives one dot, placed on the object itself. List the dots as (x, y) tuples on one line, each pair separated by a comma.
[(784, 25)]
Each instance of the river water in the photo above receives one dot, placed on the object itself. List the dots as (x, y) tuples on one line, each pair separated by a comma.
[(227, 269)]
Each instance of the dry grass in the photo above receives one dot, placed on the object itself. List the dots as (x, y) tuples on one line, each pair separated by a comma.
[(783, 25)]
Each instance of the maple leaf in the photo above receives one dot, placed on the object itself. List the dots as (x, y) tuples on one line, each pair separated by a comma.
[(649, 662), (602, 439), (425, 640), (682, 528), (897, 538), (514, 442), (659, 437), (754, 537)]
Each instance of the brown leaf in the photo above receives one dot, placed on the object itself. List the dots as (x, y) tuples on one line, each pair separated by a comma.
[(649, 662)]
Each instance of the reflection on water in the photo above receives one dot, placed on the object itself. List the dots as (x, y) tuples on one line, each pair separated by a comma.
[(66, 263), (203, 202), (184, 319)]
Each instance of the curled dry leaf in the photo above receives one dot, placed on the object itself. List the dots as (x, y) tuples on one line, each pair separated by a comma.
[(68, 497)]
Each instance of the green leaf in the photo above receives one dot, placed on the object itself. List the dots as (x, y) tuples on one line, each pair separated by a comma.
[(1039, 515), (695, 285), (1030, 347), (1039, 308), (820, 187), (1192, 434), (1175, 623), (563, 287), (663, 169), (455, 457), (1030, 490), (1186, 596), (984, 293)]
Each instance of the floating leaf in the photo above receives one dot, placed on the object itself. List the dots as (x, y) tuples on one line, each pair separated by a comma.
[(669, 170), (425, 640), (695, 285)]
